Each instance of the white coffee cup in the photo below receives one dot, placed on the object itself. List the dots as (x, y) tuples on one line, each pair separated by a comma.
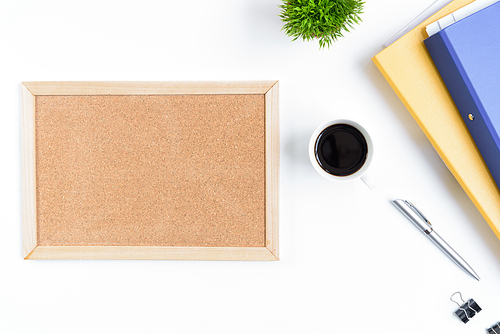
[(359, 173)]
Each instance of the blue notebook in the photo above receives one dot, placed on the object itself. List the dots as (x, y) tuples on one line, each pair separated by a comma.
[(467, 56)]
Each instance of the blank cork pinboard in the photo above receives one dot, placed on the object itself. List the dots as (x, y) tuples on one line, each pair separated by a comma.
[(150, 170)]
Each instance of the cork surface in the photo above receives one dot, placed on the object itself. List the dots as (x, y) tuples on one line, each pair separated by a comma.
[(139, 170)]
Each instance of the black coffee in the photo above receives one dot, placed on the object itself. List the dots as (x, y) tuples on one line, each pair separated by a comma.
[(341, 149)]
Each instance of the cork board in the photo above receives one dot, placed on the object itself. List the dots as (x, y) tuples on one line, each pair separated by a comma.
[(141, 170)]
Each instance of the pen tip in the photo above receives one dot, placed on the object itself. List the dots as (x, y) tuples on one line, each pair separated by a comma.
[(473, 274)]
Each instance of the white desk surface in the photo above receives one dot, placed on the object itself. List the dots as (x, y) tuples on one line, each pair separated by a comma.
[(350, 262)]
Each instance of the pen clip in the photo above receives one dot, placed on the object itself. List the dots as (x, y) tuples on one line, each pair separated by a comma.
[(417, 211)]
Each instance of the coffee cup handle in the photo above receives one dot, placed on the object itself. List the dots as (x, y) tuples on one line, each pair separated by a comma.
[(368, 181)]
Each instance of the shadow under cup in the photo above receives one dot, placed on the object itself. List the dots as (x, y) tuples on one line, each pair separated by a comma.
[(341, 150)]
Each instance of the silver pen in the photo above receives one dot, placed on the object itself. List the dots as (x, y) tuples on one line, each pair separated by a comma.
[(417, 218)]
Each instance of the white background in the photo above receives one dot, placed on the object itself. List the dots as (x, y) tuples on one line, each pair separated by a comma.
[(350, 262)]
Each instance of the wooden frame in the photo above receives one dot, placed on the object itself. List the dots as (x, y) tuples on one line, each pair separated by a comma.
[(31, 249)]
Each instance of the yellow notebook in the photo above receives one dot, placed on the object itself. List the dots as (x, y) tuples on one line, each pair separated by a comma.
[(409, 69)]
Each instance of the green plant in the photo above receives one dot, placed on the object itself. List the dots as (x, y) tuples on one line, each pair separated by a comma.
[(322, 19)]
